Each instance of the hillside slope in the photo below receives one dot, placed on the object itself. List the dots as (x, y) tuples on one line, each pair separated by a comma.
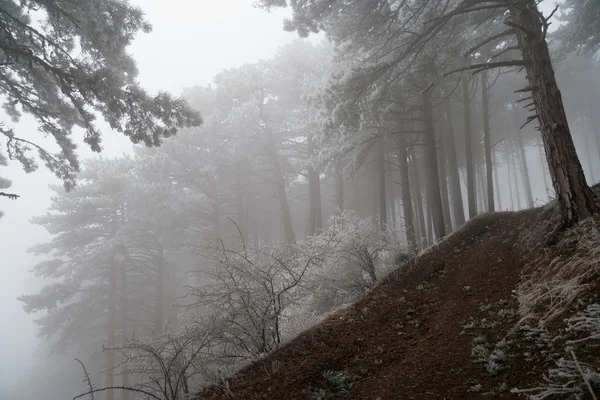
[(413, 337)]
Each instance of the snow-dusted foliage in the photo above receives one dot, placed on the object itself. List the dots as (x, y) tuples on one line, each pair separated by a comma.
[(64, 62), (357, 254)]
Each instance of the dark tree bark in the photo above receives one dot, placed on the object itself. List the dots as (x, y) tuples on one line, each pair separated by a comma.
[(407, 206), (433, 186), (497, 180), (515, 177), (470, 167), (444, 187), (381, 179), (544, 164), (508, 164), (487, 142), (575, 198), (455, 188)]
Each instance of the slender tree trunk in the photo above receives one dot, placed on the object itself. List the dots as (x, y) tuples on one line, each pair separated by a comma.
[(441, 154), (515, 177), (470, 167), (595, 128), (575, 198), (286, 214), (434, 193), (409, 223), (381, 178), (212, 186), (544, 164), (522, 157), (391, 201), (455, 187), (159, 296), (497, 180), (508, 164), (315, 223), (422, 231), (172, 318), (242, 219), (487, 142), (339, 184), (112, 328), (124, 374), (588, 155), (482, 201)]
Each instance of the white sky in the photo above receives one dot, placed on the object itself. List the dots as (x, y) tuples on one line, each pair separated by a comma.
[(191, 42)]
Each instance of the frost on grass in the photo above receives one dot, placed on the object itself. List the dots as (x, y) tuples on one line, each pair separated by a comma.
[(571, 378), (557, 280)]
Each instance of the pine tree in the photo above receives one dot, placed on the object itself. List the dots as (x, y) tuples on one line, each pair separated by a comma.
[(65, 63)]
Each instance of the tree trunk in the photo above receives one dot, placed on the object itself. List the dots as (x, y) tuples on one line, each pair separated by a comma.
[(124, 374), (433, 187), (575, 198), (497, 180), (381, 178), (212, 187), (409, 223), (112, 329), (470, 167), (391, 201), (544, 164), (159, 306), (441, 154), (515, 177), (522, 157), (240, 183), (339, 184), (508, 163), (315, 223), (455, 188), (286, 214), (487, 142), (422, 231)]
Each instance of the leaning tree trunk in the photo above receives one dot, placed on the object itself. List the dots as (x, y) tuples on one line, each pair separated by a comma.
[(409, 224), (487, 142), (434, 196), (381, 179), (470, 167), (455, 187), (575, 198)]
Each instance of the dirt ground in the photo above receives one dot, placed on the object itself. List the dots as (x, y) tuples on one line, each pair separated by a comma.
[(411, 338)]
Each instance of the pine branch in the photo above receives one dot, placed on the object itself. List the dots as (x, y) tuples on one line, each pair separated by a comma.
[(10, 195)]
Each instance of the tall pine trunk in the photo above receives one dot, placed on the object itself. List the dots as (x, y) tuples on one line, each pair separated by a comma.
[(159, 306), (433, 187), (418, 196), (315, 223), (470, 166), (123, 301), (575, 198), (441, 155), (112, 328), (381, 179), (455, 187), (407, 206), (522, 158), (487, 142), (497, 180), (339, 184)]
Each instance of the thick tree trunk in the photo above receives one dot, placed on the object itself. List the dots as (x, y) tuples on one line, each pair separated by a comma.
[(381, 179), (487, 142), (575, 198), (409, 223), (455, 188), (433, 186), (470, 166)]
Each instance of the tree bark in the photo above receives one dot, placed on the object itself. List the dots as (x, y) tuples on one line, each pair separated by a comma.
[(124, 374), (522, 157), (315, 218), (159, 306), (339, 184), (409, 223), (418, 196), (381, 178), (575, 198), (112, 329), (497, 180), (240, 183), (286, 214), (487, 142), (433, 187), (470, 167), (455, 187), (441, 155)]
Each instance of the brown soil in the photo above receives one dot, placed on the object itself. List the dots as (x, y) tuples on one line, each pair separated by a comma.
[(407, 339)]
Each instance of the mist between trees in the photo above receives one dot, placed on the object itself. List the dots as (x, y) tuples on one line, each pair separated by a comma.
[(313, 175)]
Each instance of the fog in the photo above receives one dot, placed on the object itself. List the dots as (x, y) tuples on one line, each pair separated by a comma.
[(280, 195)]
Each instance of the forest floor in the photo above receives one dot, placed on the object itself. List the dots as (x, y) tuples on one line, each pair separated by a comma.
[(414, 336)]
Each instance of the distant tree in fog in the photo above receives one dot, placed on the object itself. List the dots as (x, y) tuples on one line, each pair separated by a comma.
[(64, 62)]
